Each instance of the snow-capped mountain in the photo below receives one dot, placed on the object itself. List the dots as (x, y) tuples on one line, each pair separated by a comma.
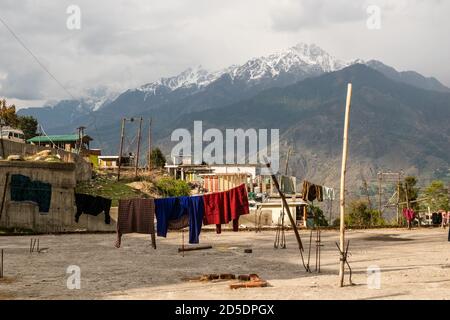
[(198, 90), (302, 58), (301, 61)]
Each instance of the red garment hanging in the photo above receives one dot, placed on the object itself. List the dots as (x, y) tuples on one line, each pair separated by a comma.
[(223, 207)]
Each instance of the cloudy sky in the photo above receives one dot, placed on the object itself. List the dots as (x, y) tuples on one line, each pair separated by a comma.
[(126, 43)]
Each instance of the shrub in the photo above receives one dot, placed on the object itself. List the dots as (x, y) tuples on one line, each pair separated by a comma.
[(358, 214), (171, 187), (319, 218)]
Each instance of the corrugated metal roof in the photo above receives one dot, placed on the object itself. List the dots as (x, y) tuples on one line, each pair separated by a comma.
[(57, 138)]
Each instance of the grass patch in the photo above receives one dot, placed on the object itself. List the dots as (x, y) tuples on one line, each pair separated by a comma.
[(107, 186)]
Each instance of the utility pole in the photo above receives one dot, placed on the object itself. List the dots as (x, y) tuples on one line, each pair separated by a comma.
[(398, 200), (136, 165), (80, 137), (149, 159), (120, 149), (342, 191), (380, 177), (287, 161)]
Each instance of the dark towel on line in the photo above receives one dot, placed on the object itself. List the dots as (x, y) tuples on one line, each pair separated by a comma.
[(177, 212), (92, 205), (312, 191), (136, 215), (23, 189)]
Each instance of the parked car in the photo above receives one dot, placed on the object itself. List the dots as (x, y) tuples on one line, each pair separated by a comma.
[(9, 133)]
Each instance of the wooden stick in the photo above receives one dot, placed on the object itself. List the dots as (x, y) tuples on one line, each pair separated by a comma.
[(4, 194), (342, 191), (193, 248), (136, 164), (286, 205), (1, 270)]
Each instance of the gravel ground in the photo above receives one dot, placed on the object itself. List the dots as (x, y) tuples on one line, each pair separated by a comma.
[(414, 264)]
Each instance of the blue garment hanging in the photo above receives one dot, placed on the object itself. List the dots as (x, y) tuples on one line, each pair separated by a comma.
[(174, 208)]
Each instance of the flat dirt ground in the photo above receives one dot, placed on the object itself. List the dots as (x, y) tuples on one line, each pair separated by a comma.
[(414, 264)]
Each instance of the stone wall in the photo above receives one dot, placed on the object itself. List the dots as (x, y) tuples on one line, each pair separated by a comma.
[(83, 169), (60, 217)]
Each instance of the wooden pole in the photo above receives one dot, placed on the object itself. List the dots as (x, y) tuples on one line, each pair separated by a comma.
[(398, 200), (380, 177), (342, 191), (136, 164), (286, 205), (287, 161), (149, 160), (407, 204), (122, 133), (4, 194)]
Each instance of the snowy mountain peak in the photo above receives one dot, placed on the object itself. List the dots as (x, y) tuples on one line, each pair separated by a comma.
[(300, 59)]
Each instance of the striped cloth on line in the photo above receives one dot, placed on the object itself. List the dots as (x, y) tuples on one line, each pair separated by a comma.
[(136, 216)]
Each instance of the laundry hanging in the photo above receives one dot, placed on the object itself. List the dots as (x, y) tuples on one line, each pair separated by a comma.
[(136, 216), (178, 213), (328, 193), (312, 191), (409, 214), (24, 189), (92, 205), (223, 207)]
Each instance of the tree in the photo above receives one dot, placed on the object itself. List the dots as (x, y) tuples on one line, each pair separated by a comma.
[(28, 125), (438, 196), (8, 114), (319, 218), (157, 158), (359, 214), (409, 192)]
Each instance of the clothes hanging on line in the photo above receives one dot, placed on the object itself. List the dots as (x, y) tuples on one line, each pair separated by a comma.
[(319, 193), (24, 189), (328, 193), (223, 207), (92, 205), (178, 213), (136, 216), (409, 214), (178, 224), (311, 191)]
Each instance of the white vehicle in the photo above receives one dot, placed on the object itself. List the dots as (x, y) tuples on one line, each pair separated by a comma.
[(12, 134)]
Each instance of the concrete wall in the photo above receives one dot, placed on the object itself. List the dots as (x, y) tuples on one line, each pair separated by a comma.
[(83, 169), (61, 216)]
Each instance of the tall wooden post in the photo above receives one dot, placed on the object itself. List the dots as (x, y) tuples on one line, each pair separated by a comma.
[(287, 162), (380, 178), (122, 133), (149, 159), (342, 191), (398, 199), (136, 164)]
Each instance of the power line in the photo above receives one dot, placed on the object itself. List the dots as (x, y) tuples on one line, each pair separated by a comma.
[(35, 58), (49, 73)]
